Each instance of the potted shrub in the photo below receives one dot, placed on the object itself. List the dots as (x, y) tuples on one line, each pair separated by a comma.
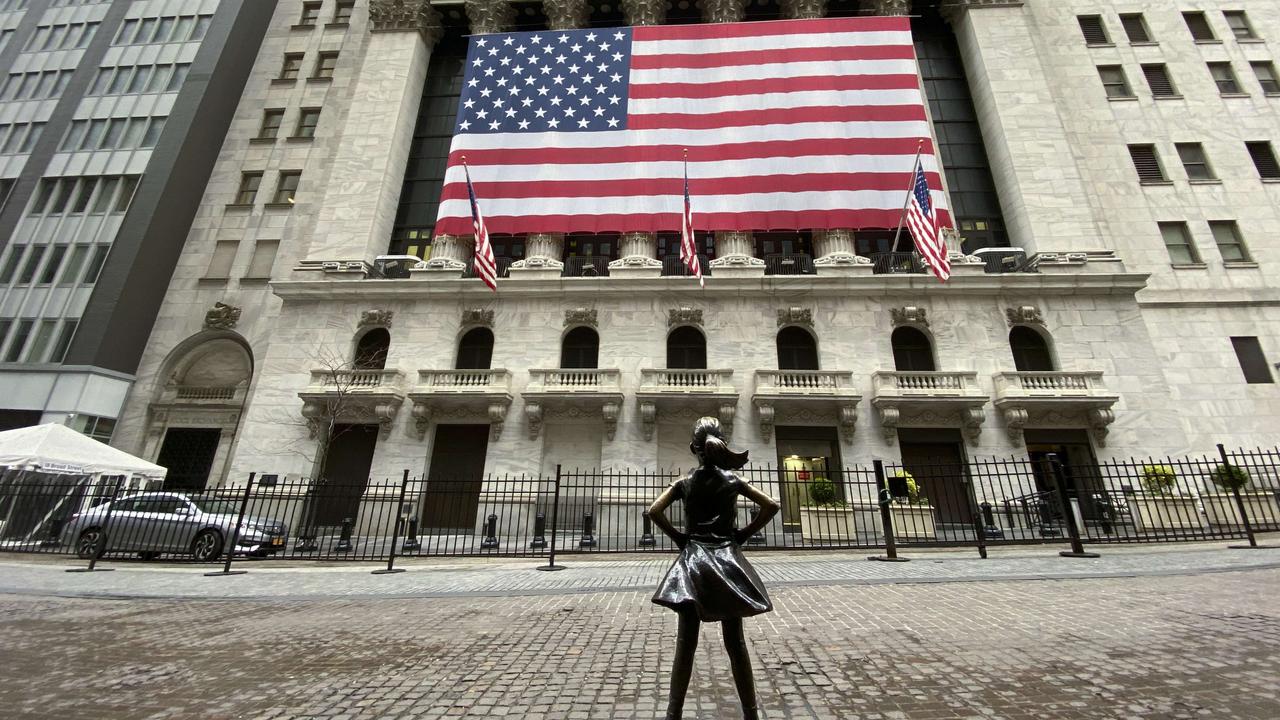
[(826, 516), (1220, 502), (1160, 507), (911, 516)]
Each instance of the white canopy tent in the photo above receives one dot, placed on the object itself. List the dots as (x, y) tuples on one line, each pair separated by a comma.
[(58, 450)]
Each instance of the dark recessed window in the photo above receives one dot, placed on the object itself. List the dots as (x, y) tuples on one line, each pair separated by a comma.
[(342, 12), (1159, 81), (249, 184), (1252, 360), (1114, 81), (325, 65), (686, 349), (308, 118), (371, 350), (1264, 159), (1266, 74), (797, 350), (912, 351), (287, 187), (1239, 24), (1225, 78), (475, 350), (1135, 27), (271, 120), (310, 13), (1095, 33), (1147, 163), (1177, 240), (1030, 351), (1198, 24), (580, 349), (291, 66), (1194, 161), (1230, 243)]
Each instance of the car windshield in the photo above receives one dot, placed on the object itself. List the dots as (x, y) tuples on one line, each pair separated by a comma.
[(216, 507)]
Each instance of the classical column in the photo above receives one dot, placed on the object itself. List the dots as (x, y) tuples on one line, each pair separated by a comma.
[(723, 11), (645, 12), (892, 7), (804, 9), (357, 204), (566, 14)]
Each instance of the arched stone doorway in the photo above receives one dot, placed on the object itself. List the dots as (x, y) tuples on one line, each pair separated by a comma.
[(196, 410)]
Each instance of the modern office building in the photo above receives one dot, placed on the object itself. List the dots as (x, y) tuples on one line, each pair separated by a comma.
[(111, 115), (1112, 171)]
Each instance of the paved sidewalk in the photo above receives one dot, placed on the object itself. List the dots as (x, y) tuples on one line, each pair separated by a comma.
[(447, 577)]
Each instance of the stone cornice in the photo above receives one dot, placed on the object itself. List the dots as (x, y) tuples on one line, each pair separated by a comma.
[(953, 10), (406, 16), (902, 287)]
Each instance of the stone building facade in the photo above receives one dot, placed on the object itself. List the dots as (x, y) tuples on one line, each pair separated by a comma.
[(1097, 309)]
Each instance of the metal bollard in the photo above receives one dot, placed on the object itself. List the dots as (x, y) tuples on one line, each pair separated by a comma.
[(539, 532), (344, 540), (989, 529), (588, 530), (490, 533), (646, 538), (758, 538), (411, 539)]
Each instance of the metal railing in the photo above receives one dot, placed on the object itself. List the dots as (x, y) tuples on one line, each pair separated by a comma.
[(789, 264), (586, 266), (673, 266), (501, 264), (892, 263), (191, 392)]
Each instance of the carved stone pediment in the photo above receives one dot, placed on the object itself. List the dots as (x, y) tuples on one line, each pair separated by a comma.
[(581, 316), (684, 316), (221, 317), (795, 316), (909, 315), (376, 318), (1024, 315), (478, 316)]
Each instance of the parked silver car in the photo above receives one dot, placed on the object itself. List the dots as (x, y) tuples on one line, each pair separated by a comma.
[(152, 523)]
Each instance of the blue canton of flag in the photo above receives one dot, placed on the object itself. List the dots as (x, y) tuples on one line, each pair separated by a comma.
[(922, 193), (562, 80)]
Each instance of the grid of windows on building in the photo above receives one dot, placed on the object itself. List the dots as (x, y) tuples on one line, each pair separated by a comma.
[(36, 340), (112, 134), (98, 428), (12, 5), (168, 29), (90, 194), (61, 37), (139, 79), (65, 265), (36, 85), (19, 138)]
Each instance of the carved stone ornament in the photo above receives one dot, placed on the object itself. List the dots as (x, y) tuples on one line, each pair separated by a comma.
[(581, 316), (497, 418), (737, 260), (684, 316), (724, 11), (889, 418), (566, 14), (382, 411), (795, 316), (648, 418), (1015, 420), (406, 16), (533, 416), (609, 411), (477, 317), (766, 414), (645, 12), (971, 420), (804, 9), (489, 16), (441, 263), (376, 318), (959, 258), (1100, 420), (1024, 315), (221, 317), (891, 7), (848, 421), (635, 261), (909, 315), (841, 258), (537, 263)]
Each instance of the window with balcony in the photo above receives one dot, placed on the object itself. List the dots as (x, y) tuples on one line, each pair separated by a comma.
[(686, 349), (1114, 82), (1199, 27), (912, 351), (1264, 159), (797, 349), (1030, 350), (580, 349), (371, 350), (475, 350)]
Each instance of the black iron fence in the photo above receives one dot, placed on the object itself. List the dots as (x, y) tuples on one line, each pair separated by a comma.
[(976, 503)]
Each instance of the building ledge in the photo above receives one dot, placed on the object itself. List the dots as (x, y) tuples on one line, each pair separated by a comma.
[(476, 392)]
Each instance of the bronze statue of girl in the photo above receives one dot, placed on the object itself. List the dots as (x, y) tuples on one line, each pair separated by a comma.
[(711, 581)]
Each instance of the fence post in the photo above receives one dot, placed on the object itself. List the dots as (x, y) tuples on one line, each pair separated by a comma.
[(1057, 476), (411, 539), (979, 530), (551, 565), (1240, 507), (758, 538), (886, 522), (646, 538), (344, 539), (588, 538), (539, 540), (395, 530), (490, 541), (106, 521), (235, 536)]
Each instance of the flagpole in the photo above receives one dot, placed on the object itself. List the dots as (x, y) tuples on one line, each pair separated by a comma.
[(911, 188)]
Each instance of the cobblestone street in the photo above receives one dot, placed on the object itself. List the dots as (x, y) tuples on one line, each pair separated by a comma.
[(1154, 646)]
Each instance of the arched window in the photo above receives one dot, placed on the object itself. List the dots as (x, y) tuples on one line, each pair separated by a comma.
[(475, 350), (797, 350), (580, 349), (1030, 351), (912, 351), (687, 349), (371, 350)]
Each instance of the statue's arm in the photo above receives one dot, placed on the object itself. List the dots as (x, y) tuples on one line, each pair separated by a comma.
[(768, 508), (658, 514)]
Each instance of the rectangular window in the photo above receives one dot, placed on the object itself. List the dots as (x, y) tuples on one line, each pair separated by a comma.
[(64, 341), (224, 253), (1159, 81), (115, 130), (1266, 74), (202, 27), (43, 193), (6, 187), (133, 132), (325, 65), (1230, 245), (33, 263), (127, 186), (154, 129), (249, 184), (271, 120), (165, 29), (310, 14), (1239, 24), (1253, 363), (182, 32), (1198, 24), (106, 193), (264, 256), (95, 265), (19, 341), (84, 194), (92, 137), (1177, 240), (291, 66), (5, 326), (71, 275), (101, 81), (1147, 163), (138, 82), (179, 76), (1264, 159), (40, 344), (1095, 33), (308, 118), (342, 12), (127, 30), (75, 135), (287, 187), (146, 31), (51, 267), (1225, 78), (1114, 81), (1194, 161), (1135, 27), (11, 264)]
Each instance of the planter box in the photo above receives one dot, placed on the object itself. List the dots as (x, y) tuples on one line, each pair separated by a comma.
[(1222, 511), (828, 523), (1165, 512), (912, 522)]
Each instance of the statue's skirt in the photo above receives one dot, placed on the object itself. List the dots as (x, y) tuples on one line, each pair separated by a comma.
[(713, 578)]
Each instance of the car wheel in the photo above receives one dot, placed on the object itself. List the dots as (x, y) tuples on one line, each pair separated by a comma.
[(207, 546), (149, 555), (89, 545)]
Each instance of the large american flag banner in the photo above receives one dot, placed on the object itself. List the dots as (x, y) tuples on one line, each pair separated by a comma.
[(798, 124)]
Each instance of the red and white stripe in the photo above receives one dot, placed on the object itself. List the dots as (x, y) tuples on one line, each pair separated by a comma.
[(483, 263), (800, 124), (688, 242)]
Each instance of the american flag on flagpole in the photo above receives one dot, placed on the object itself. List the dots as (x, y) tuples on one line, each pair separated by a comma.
[(922, 221), (483, 262), (688, 243), (796, 124)]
